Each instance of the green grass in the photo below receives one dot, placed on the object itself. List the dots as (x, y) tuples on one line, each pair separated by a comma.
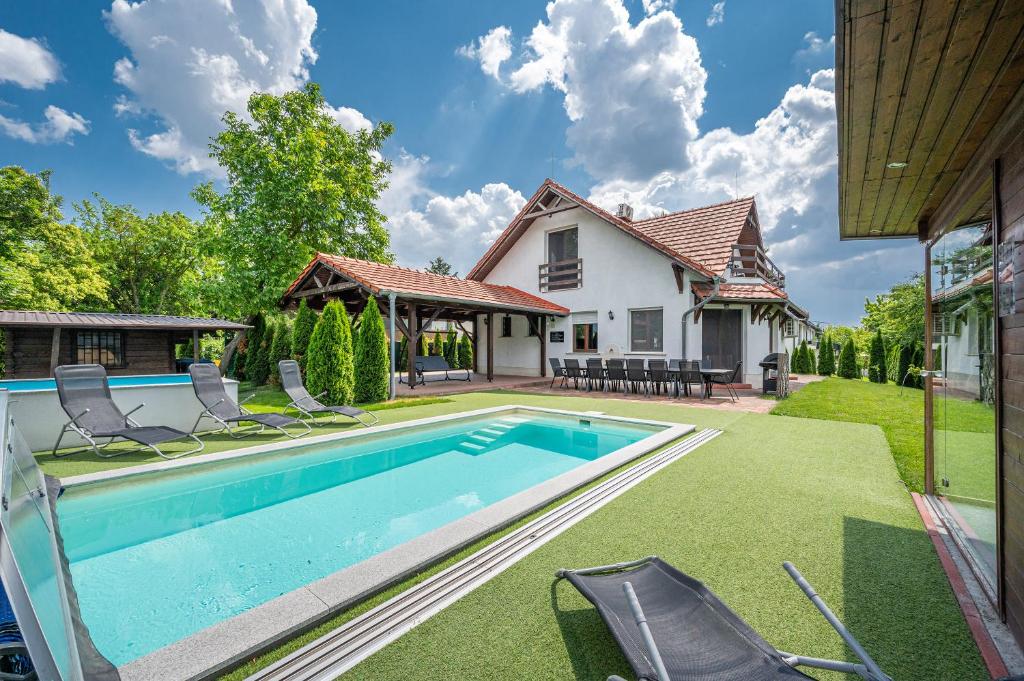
[(825, 495), (900, 415)]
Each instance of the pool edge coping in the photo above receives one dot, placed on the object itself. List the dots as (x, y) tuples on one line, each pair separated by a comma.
[(218, 648)]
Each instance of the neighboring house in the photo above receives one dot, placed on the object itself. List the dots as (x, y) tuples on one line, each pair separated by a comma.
[(696, 284), (962, 325)]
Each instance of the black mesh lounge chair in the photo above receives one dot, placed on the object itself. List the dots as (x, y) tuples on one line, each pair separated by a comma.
[(595, 373), (84, 394), (726, 380), (636, 376), (557, 371), (616, 373), (307, 405), (219, 406), (573, 371), (671, 627)]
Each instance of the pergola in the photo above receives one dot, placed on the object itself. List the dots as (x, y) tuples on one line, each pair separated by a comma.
[(412, 299)]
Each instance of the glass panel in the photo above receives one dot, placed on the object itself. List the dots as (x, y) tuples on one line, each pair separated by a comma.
[(584, 337), (562, 245), (963, 406), (645, 331), (721, 338)]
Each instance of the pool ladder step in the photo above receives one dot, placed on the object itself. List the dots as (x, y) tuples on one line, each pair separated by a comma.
[(471, 447)]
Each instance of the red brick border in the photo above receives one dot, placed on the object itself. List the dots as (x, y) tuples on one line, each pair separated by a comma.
[(989, 652)]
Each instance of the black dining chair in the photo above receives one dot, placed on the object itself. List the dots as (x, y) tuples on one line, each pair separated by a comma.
[(595, 373), (573, 371), (659, 376), (727, 380), (636, 376), (557, 371), (689, 374), (615, 375)]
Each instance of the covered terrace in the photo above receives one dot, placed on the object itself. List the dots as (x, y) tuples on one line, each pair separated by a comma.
[(411, 300)]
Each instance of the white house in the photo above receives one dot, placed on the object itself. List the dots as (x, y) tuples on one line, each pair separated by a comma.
[(696, 284)]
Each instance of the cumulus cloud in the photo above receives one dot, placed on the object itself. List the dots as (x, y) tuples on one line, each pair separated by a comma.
[(626, 88), (491, 50), (59, 126), (26, 62), (717, 14), (655, 6), (192, 61), (815, 46)]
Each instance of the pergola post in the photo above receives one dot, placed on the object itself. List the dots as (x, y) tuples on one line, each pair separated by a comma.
[(490, 346), (195, 346), (414, 337), (476, 345), (55, 350), (392, 346), (542, 325)]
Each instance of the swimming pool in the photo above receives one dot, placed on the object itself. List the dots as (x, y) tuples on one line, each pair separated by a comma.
[(18, 385), (160, 556)]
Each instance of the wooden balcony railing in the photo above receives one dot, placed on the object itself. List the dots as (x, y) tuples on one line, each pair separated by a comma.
[(751, 261), (561, 275)]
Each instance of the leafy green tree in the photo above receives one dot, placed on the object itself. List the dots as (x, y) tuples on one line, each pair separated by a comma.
[(826, 356), (297, 183), (372, 363), (898, 314), (465, 353), (848, 361), (329, 365), (302, 329), (876, 361), (253, 342), (441, 266), (450, 351), (157, 264), (280, 349), (45, 263)]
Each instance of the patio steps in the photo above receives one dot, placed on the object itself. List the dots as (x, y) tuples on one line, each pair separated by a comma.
[(338, 651)]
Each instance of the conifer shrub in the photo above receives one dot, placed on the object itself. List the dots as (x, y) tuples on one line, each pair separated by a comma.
[(826, 356), (465, 353), (451, 351), (302, 329), (848, 361), (329, 365), (876, 360), (280, 348), (372, 364), (257, 363)]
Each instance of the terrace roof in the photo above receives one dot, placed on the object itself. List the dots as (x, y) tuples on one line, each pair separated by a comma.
[(113, 320)]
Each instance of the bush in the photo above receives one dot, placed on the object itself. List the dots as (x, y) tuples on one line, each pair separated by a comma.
[(812, 360), (257, 364), (892, 362), (826, 356), (877, 372), (305, 322), (803, 359), (465, 353), (917, 363), (451, 351), (903, 365), (848, 361), (280, 349), (329, 367), (372, 364), (423, 349)]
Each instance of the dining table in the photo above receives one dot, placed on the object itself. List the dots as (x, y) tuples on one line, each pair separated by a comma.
[(708, 374)]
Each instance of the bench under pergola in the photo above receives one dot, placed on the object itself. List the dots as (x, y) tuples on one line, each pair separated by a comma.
[(412, 299)]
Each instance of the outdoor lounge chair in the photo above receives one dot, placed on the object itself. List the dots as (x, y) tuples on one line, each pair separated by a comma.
[(557, 371), (671, 627), (84, 394), (306, 404), (219, 406)]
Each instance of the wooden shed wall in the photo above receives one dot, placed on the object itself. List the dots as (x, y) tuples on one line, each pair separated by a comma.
[(28, 352)]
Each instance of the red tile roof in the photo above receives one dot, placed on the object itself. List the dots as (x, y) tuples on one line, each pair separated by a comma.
[(963, 286), (741, 291), (412, 283), (705, 234), (512, 234), (113, 320)]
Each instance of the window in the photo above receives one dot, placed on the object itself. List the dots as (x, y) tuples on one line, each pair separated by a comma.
[(789, 327), (506, 326), (563, 269), (100, 347), (563, 245), (645, 331), (943, 325), (584, 337)]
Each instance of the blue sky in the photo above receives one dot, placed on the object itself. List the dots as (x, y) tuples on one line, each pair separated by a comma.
[(665, 105)]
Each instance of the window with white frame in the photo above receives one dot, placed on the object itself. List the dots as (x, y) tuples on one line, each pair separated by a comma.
[(646, 330), (789, 327)]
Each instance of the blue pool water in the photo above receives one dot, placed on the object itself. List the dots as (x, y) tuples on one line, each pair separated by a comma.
[(159, 557), (49, 384)]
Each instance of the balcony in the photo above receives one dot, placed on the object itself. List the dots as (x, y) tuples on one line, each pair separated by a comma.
[(561, 275), (751, 261)]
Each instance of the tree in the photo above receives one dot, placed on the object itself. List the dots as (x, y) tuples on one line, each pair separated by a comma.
[(440, 266), (876, 360), (45, 263), (423, 349), (253, 342), (802, 359), (465, 353), (372, 363), (826, 356), (329, 367), (848, 361), (259, 360), (449, 350), (898, 314), (158, 264), (305, 321), (280, 349), (297, 183)]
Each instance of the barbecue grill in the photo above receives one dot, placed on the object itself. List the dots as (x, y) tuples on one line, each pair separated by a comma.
[(770, 373)]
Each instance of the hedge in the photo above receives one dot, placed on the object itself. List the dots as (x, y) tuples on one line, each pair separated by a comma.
[(329, 366)]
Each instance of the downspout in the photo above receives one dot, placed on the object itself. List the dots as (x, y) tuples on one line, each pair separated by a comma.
[(716, 282), (391, 341)]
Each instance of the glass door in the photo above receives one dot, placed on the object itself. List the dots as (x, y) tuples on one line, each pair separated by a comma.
[(721, 338), (963, 326)]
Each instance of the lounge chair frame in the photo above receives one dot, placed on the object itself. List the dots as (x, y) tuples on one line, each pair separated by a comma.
[(260, 421), (867, 669), (308, 405)]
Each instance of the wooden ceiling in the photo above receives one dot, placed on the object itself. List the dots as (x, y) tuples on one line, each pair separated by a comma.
[(920, 82)]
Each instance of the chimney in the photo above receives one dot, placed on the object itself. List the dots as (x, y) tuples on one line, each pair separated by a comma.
[(625, 212)]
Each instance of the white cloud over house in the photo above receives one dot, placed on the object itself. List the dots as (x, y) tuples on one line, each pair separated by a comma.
[(26, 62), (58, 126), (491, 50)]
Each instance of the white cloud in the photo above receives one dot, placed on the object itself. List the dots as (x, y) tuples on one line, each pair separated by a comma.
[(717, 14), (655, 6), (190, 61), (492, 50), (816, 46), (59, 126), (26, 62), (627, 88), (349, 118)]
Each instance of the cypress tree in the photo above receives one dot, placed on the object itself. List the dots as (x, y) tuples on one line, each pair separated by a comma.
[(803, 359), (812, 360), (280, 349), (465, 353), (305, 321), (257, 367), (372, 364), (329, 365), (876, 359), (848, 361), (826, 356), (903, 367), (792, 360), (917, 361), (424, 348), (451, 354)]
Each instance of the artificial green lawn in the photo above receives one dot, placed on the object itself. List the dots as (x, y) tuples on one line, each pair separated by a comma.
[(825, 495)]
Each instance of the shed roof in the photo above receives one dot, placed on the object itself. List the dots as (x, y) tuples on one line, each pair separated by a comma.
[(112, 320)]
